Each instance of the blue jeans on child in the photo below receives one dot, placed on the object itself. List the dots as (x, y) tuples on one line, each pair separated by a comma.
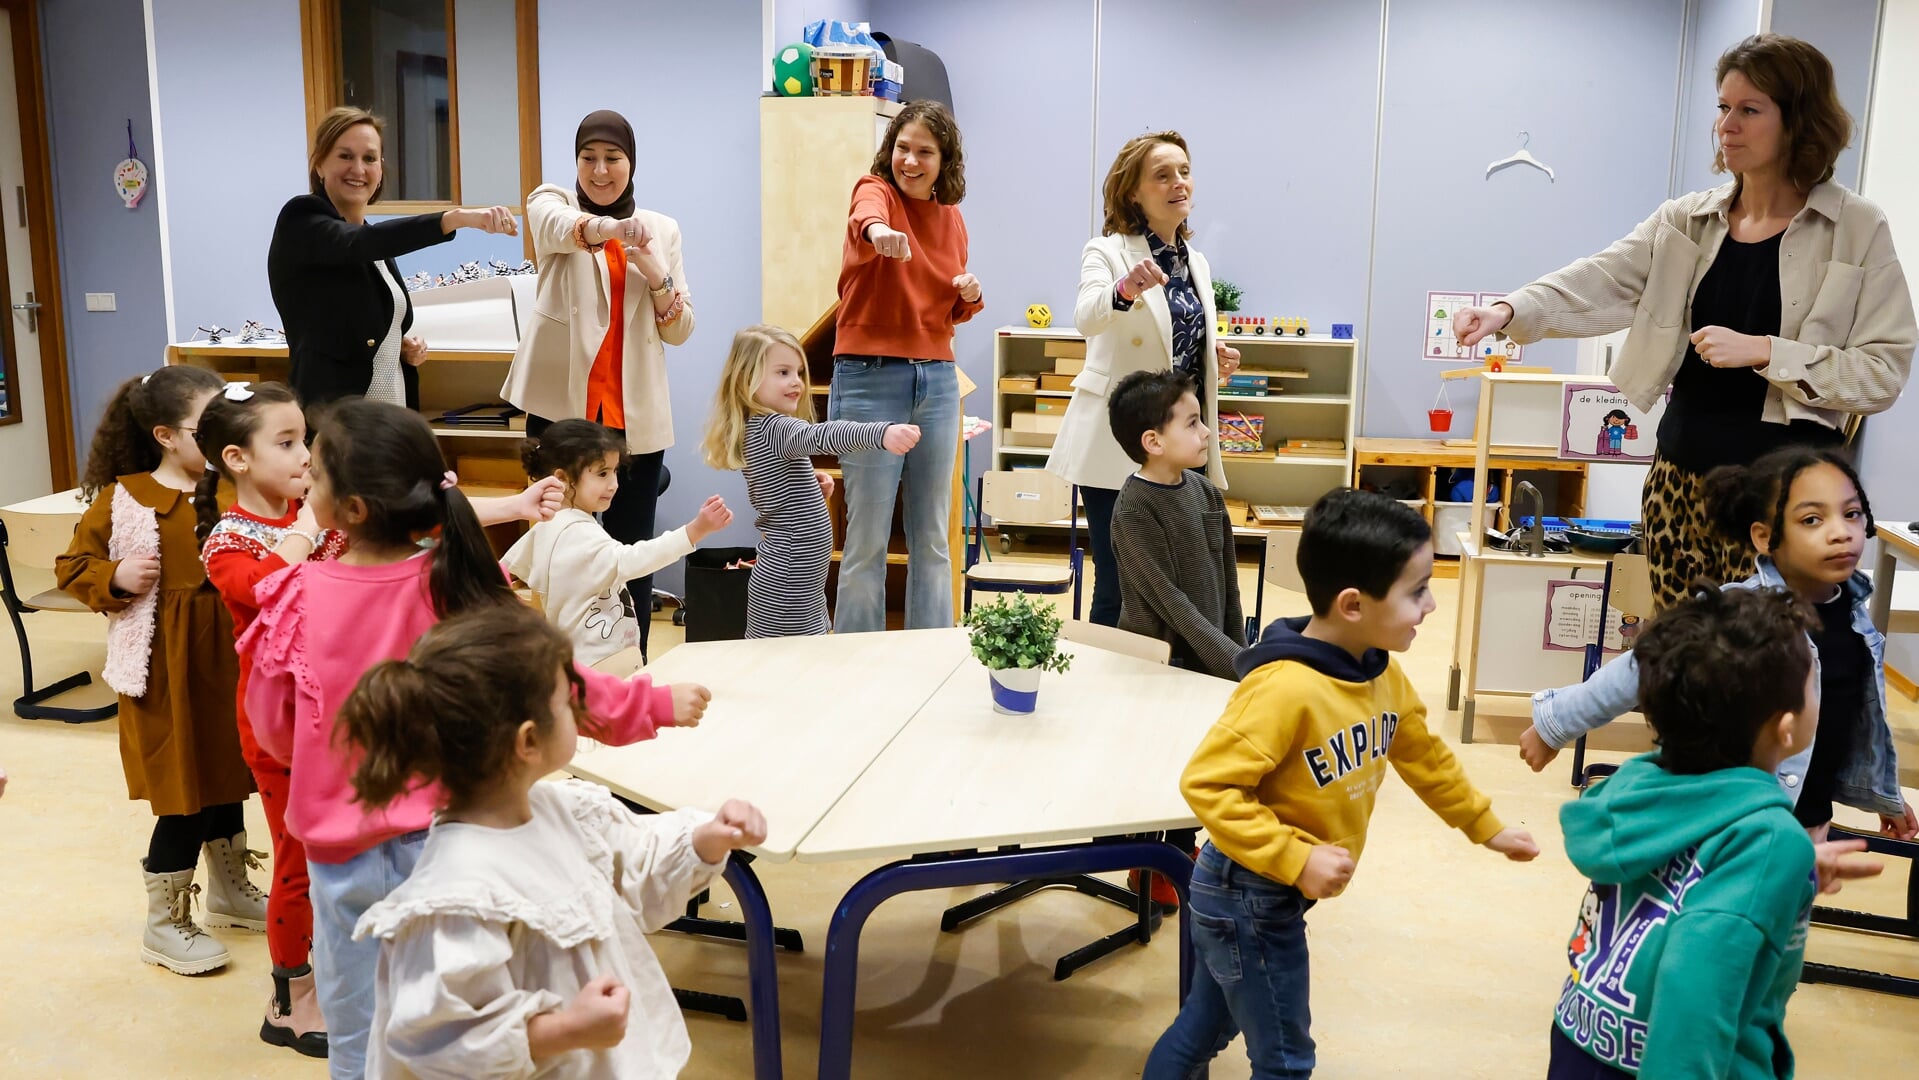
[(1249, 936), (921, 392), (344, 969)]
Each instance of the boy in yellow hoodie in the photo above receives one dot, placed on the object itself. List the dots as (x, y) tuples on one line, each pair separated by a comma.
[(1284, 783)]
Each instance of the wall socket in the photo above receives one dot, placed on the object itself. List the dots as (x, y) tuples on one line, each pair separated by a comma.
[(101, 301)]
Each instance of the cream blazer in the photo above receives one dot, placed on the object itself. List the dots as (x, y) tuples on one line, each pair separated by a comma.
[(571, 302), (1846, 328), (1119, 343)]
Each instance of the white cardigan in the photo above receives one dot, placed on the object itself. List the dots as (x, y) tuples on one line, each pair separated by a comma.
[(569, 319), (1119, 343), (580, 574), (496, 926)]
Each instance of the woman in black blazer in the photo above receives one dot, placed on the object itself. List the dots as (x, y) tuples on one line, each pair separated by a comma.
[(333, 276)]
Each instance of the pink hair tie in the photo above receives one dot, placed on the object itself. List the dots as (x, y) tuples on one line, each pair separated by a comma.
[(450, 480)]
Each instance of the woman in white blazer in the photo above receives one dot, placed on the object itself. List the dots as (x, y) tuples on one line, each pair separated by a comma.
[(1145, 304), (611, 296), (1773, 308)]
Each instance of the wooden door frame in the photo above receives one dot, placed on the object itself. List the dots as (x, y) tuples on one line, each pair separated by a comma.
[(30, 84)]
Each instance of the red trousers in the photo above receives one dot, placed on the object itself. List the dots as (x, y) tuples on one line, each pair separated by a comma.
[(289, 912)]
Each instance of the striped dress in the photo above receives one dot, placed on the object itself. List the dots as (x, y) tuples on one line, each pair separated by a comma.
[(786, 596)]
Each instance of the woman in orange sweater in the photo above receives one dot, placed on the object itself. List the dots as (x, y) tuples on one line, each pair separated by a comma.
[(903, 287)]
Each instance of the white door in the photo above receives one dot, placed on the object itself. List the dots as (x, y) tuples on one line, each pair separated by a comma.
[(25, 471)]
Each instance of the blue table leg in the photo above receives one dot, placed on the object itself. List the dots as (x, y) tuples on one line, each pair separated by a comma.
[(762, 978), (982, 868)]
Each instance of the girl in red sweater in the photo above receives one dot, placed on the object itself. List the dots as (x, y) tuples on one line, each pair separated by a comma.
[(903, 287)]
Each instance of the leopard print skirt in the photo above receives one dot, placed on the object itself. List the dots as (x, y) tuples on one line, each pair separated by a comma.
[(1681, 545)]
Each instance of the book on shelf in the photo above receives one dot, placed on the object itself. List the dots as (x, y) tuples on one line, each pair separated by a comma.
[(1270, 373), (1264, 514)]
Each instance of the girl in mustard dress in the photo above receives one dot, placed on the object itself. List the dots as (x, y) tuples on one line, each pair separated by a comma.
[(170, 656)]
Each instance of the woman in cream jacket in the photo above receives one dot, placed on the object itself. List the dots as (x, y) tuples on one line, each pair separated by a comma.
[(1772, 307), (611, 296), (1145, 304)]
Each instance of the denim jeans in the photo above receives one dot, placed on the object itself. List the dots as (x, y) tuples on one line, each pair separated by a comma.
[(344, 969), (1249, 936), (926, 393), (1099, 536)]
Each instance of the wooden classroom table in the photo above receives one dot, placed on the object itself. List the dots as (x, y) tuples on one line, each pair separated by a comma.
[(1897, 544), (886, 745)]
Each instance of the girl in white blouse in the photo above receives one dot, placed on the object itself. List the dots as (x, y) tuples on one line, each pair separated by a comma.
[(517, 947)]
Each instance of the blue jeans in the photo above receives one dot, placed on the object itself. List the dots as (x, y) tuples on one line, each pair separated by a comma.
[(344, 969), (1249, 936), (926, 393)]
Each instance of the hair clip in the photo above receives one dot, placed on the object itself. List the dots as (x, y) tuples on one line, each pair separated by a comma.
[(212, 468), (144, 378), (450, 480), (237, 391)]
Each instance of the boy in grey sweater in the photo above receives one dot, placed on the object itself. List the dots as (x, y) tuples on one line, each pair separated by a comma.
[(1178, 575)]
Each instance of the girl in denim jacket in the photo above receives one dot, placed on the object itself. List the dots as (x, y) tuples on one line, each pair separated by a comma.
[(1804, 513)]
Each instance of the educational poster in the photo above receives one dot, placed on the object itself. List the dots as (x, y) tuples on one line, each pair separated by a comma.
[(1572, 619), (1505, 349), (1440, 343), (1597, 423)]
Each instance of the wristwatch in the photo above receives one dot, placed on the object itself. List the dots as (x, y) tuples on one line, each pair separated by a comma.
[(665, 286)]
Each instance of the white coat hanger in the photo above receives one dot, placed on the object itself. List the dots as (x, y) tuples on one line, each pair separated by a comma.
[(1522, 157)]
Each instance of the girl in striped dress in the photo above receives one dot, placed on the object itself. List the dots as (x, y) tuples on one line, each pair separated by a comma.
[(756, 427)]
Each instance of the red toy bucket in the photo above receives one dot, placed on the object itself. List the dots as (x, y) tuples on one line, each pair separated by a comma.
[(1440, 419)]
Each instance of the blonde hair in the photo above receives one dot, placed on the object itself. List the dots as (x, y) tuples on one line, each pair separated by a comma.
[(332, 126), (1123, 215), (725, 444)]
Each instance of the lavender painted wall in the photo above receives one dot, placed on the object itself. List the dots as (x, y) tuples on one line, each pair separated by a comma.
[(96, 79), (1846, 31), (1592, 83), (714, 193), (1716, 25), (231, 99)]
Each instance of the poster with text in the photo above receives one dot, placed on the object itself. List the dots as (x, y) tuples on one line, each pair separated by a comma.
[(1572, 619), (1597, 423), (1504, 348), (1441, 345)]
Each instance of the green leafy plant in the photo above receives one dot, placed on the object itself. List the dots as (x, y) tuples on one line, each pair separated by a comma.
[(1226, 295), (1015, 633)]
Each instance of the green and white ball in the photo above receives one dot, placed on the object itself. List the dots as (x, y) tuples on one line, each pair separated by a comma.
[(793, 71)]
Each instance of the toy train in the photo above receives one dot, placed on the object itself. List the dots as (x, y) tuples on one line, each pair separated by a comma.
[(1259, 326)]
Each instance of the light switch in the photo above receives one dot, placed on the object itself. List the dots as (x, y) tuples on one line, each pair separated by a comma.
[(101, 301)]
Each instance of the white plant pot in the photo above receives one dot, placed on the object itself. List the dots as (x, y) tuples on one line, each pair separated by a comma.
[(1015, 690)]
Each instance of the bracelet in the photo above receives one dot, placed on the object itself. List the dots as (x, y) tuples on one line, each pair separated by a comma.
[(673, 311), (579, 233), (312, 538)]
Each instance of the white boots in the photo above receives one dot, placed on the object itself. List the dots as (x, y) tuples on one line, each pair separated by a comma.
[(172, 939), (232, 900), (293, 1015)]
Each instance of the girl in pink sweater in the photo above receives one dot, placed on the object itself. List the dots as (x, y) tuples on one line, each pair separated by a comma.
[(377, 475)]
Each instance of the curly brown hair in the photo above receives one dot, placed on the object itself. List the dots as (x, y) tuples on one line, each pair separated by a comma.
[(1123, 215), (123, 444), (449, 713), (1798, 79), (950, 186)]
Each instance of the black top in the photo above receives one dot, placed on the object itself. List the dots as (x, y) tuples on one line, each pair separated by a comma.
[(1844, 667), (334, 306), (1713, 417)]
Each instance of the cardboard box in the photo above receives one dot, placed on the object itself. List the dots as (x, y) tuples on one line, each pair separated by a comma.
[(1018, 384), (1011, 437), (1069, 365), (1053, 381), (1051, 406), (1073, 349), (1037, 422)]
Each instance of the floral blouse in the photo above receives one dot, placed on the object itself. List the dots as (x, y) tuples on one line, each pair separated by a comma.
[(1182, 299)]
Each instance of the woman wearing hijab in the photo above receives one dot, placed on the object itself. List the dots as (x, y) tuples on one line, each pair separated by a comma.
[(611, 296)]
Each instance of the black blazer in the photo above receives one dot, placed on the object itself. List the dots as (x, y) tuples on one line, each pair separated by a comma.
[(325, 277)]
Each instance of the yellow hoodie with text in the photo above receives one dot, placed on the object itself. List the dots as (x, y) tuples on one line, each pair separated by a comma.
[(1299, 754)]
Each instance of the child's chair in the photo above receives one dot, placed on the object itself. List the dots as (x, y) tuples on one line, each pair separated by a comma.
[(34, 540), (1627, 590), (1024, 497)]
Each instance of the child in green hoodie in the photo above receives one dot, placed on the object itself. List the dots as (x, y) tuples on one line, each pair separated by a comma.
[(1693, 931)]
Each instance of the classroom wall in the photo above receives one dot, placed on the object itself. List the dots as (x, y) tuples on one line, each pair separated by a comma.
[(230, 98), (1715, 26), (96, 80)]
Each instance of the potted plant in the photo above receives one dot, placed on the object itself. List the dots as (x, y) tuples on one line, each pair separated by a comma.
[(1016, 640), (1225, 295)]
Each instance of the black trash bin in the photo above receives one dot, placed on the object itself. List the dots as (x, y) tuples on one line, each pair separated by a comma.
[(716, 596)]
